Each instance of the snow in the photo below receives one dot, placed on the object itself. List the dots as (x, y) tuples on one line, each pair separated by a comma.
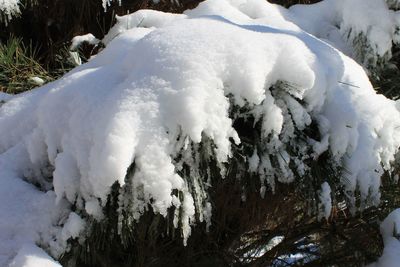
[(325, 201), (390, 227), (254, 162), (4, 97), (163, 85), (141, 18), (74, 58), (8, 9), (36, 80), (390, 231), (73, 226), (28, 215), (344, 24), (394, 4), (33, 256), (79, 39)]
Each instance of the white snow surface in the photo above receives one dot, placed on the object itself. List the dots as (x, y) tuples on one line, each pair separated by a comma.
[(162, 76), (33, 256), (362, 29), (4, 97)]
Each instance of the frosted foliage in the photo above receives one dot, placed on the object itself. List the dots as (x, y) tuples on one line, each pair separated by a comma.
[(73, 226), (161, 99), (8, 9), (105, 4), (395, 4)]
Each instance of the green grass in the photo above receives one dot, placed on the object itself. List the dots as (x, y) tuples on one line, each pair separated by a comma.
[(19, 63)]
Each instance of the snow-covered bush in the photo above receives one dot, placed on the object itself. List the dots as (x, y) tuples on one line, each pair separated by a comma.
[(241, 91), (364, 30)]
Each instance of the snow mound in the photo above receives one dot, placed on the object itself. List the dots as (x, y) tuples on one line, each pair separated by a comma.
[(164, 84), (362, 29), (32, 256)]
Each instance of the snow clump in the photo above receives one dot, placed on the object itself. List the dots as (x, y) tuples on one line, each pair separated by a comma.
[(166, 83)]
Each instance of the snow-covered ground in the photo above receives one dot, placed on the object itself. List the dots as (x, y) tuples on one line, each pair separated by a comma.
[(164, 76)]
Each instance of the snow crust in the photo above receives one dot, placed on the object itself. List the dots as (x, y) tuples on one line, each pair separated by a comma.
[(167, 82)]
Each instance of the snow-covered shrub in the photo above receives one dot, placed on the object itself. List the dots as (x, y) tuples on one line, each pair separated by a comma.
[(365, 30), (241, 91)]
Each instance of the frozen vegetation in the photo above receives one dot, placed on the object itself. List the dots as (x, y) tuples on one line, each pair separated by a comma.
[(166, 83), (8, 9)]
